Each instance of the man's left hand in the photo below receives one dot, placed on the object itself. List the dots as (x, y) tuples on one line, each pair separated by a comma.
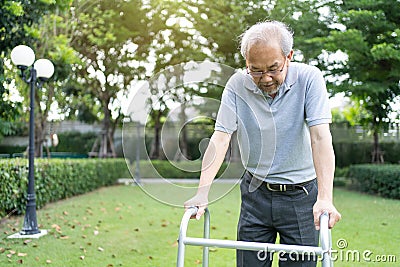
[(322, 206)]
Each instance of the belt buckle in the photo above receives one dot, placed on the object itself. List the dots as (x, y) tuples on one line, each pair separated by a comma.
[(282, 188)]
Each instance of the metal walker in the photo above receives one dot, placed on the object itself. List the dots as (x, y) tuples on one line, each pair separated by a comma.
[(324, 250)]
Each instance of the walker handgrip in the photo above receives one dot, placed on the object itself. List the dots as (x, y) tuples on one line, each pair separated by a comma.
[(324, 220), (189, 213), (193, 210), (325, 239)]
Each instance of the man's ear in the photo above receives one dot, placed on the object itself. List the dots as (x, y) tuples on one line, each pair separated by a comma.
[(290, 56)]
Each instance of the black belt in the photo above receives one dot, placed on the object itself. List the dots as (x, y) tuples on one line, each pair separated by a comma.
[(286, 187)]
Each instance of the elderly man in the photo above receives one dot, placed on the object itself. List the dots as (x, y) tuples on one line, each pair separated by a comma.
[(281, 114)]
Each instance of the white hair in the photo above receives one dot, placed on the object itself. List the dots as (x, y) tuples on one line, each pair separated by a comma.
[(267, 32)]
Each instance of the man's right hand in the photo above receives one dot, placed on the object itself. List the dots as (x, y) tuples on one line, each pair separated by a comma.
[(200, 201)]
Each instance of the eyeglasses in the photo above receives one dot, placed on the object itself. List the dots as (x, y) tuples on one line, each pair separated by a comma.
[(271, 73)]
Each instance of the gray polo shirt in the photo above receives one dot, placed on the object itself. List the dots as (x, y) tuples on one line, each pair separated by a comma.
[(273, 135)]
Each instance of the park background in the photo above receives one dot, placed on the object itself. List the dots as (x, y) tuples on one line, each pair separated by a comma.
[(104, 51)]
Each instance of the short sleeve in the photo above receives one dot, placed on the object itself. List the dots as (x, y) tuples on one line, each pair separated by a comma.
[(317, 109), (226, 118)]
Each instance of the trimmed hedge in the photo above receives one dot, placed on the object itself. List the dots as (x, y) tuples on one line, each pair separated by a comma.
[(167, 169), (8, 149), (55, 179), (76, 142), (341, 176), (73, 141), (382, 180), (349, 153), (184, 169)]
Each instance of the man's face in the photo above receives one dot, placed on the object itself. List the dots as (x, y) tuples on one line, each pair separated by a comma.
[(269, 60)]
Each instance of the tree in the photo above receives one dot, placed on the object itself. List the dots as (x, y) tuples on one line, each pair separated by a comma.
[(175, 41), (16, 17), (53, 29), (41, 27), (10, 110), (369, 34), (106, 39), (194, 30)]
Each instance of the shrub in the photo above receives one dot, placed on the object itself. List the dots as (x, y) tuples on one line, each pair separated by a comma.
[(341, 176), (183, 169), (176, 169), (383, 180), (75, 142), (7, 149), (55, 179), (349, 153)]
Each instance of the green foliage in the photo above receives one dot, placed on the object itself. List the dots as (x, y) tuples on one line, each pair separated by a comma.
[(15, 17), (341, 176), (106, 38), (55, 179), (40, 26), (18, 20), (13, 186), (355, 113), (75, 142), (348, 153), (370, 74), (14, 8), (6, 149), (342, 172), (167, 169), (383, 180), (9, 111), (338, 116)]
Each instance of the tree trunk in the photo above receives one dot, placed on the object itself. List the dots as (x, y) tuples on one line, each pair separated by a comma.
[(106, 149), (41, 116), (155, 148), (40, 131), (106, 129), (40, 137), (115, 123), (183, 150), (377, 153)]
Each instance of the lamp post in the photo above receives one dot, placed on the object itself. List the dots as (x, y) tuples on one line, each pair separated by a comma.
[(23, 57)]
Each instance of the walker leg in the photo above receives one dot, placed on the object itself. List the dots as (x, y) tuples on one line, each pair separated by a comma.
[(330, 246), (206, 235), (181, 253), (180, 262), (326, 241)]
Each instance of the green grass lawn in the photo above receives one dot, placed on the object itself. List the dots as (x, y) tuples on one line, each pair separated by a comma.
[(123, 226)]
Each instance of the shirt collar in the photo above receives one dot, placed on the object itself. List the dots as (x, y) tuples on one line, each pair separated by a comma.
[(290, 80), (291, 77)]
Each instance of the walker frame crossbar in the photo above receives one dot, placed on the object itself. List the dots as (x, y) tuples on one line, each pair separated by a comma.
[(324, 250)]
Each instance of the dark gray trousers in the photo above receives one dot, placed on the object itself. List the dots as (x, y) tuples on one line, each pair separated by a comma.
[(264, 214)]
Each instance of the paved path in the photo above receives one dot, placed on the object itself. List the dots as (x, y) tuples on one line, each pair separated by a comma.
[(185, 181)]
